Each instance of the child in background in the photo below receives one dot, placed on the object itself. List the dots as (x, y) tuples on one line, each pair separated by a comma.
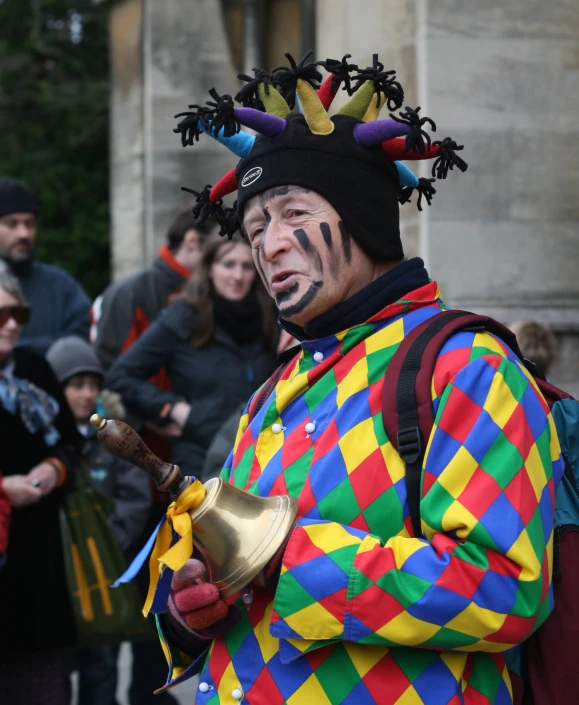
[(79, 371)]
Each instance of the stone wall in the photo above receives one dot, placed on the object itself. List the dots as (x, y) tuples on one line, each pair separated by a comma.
[(165, 56), (503, 79)]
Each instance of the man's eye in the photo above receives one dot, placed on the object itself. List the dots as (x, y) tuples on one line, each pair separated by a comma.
[(296, 213), (255, 234)]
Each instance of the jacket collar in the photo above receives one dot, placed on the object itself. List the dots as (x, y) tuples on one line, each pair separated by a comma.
[(366, 304), (166, 256)]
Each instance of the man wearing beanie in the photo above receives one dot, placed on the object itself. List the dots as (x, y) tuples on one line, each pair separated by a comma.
[(79, 371), (391, 587), (59, 305)]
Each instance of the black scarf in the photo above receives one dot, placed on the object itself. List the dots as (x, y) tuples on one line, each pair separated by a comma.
[(242, 320), (405, 277)]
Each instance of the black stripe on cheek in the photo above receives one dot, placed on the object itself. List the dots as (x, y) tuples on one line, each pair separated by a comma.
[(304, 240), (346, 242), (326, 234)]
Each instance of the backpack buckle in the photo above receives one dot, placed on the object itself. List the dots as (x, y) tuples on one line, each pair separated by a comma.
[(409, 444)]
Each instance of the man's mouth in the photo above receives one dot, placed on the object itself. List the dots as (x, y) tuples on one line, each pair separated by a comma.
[(283, 280)]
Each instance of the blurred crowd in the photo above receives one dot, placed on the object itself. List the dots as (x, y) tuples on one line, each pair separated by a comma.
[(175, 350)]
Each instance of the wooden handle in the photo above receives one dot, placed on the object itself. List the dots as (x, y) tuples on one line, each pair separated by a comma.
[(123, 442)]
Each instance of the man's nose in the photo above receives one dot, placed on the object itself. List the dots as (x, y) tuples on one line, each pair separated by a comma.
[(22, 231), (276, 241)]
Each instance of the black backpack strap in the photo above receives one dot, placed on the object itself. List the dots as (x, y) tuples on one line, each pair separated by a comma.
[(406, 394)]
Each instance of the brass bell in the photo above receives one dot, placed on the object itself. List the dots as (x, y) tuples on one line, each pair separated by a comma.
[(236, 532)]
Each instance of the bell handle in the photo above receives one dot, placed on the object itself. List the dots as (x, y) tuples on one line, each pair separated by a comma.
[(124, 442)]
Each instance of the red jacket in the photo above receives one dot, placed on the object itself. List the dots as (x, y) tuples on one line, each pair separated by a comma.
[(5, 512)]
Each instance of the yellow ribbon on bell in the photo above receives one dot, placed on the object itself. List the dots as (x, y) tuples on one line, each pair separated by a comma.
[(178, 521)]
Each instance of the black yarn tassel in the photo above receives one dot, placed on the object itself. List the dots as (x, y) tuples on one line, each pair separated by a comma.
[(285, 78), (229, 224), (385, 83), (190, 127), (220, 112), (342, 72), (424, 189), (203, 207), (417, 139), (447, 158), (248, 95)]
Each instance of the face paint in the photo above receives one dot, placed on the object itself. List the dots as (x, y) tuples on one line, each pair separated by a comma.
[(306, 300), (346, 244), (304, 240), (284, 295), (326, 234)]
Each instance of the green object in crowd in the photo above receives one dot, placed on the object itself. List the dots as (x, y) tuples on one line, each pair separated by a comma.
[(93, 560)]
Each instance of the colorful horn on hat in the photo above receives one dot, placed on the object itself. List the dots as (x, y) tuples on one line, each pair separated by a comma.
[(369, 134), (374, 108), (267, 125), (407, 176), (316, 116), (357, 106), (227, 184), (240, 143)]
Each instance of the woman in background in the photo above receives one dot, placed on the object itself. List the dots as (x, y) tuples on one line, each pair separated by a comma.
[(39, 443), (218, 346)]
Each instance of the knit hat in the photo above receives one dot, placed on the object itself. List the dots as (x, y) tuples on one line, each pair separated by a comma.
[(16, 197), (72, 356), (352, 158)]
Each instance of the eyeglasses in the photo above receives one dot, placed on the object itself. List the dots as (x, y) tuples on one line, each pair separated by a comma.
[(20, 314)]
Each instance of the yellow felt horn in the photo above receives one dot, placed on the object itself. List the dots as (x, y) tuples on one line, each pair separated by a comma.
[(376, 105), (314, 112)]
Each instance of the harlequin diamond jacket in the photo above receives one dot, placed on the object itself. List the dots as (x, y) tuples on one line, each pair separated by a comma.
[(364, 612)]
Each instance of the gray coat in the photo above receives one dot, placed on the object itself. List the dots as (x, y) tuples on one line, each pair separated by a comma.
[(126, 485), (214, 379)]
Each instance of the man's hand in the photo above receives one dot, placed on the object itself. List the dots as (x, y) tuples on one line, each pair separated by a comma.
[(44, 476), (21, 491), (196, 606), (180, 413)]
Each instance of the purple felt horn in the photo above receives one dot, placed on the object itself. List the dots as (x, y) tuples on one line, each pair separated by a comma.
[(369, 134), (267, 125)]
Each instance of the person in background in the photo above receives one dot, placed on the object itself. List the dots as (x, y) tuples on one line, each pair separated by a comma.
[(119, 317), (80, 373), (537, 343), (59, 304), (218, 345), (126, 308), (40, 453)]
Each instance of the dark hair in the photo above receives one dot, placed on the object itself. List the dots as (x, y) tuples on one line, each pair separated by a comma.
[(199, 289), (181, 226), (537, 343)]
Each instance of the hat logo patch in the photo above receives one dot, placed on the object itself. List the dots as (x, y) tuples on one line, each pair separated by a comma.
[(251, 176)]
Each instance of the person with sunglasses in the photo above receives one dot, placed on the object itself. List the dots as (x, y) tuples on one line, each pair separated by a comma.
[(40, 449)]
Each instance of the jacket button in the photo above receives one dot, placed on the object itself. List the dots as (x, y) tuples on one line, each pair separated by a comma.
[(318, 356), (237, 694), (277, 428), (310, 427), (204, 687)]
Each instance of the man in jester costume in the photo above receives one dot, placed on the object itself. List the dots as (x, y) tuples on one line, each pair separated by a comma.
[(358, 607)]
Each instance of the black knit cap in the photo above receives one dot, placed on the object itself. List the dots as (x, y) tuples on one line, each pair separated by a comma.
[(359, 182), (16, 197), (353, 159)]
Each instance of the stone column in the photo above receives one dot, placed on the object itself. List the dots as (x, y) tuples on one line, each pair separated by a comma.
[(165, 56)]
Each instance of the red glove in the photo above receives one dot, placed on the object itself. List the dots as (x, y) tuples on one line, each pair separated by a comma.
[(195, 606)]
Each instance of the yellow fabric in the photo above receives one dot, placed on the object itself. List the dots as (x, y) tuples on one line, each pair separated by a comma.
[(376, 105), (273, 101), (178, 520), (314, 112), (360, 102)]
